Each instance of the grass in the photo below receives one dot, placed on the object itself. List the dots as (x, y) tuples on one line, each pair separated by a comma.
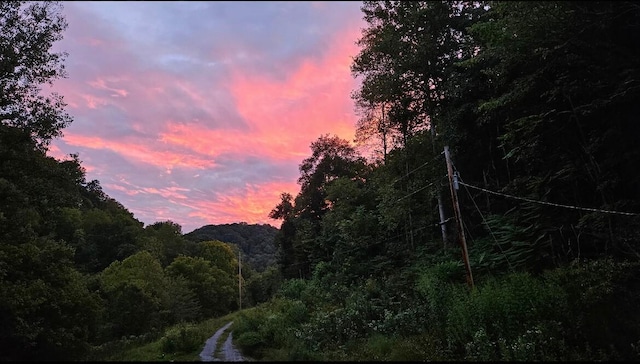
[(153, 351)]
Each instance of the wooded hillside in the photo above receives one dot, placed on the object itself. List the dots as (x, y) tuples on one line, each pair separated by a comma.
[(256, 241)]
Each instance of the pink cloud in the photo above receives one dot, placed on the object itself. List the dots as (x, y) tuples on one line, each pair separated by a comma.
[(311, 101), (172, 194), (250, 203), (284, 116), (101, 84), (141, 153), (120, 188), (166, 119), (92, 102), (213, 143)]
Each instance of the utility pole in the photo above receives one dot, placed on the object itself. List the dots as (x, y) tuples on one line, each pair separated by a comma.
[(443, 227), (453, 185), (240, 278)]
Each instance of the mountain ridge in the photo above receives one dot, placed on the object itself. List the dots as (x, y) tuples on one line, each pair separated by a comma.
[(255, 241)]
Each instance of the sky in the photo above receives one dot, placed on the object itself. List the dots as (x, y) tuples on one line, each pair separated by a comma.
[(201, 112)]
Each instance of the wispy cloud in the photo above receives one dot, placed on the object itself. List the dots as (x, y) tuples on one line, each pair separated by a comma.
[(200, 112)]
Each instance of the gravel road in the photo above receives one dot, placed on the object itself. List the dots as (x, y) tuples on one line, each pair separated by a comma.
[(228, 352)]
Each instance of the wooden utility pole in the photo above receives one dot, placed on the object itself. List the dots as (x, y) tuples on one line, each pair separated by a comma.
[(443, 227), (240, 278), (453, 185)]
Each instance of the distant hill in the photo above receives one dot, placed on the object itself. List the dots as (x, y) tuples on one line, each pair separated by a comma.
[(255, 240)]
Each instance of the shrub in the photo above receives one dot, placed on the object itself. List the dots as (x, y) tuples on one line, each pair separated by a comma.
[(292, 289), (182, 338), (250, 342), (603, 319), (271, 325), (512, 318), (438, 286)]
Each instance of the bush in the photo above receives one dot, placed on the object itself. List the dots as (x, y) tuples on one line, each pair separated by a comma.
[(439, 285), (603, 318), (182, 338), (292, 289), (250, 342), (513, 318), (271, 325), (586, 311)]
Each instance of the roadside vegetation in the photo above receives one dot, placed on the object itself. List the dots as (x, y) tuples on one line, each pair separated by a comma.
[(181, 342), (582, 312)]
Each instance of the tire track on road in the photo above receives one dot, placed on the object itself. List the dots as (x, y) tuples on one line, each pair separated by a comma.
[(229, 352)]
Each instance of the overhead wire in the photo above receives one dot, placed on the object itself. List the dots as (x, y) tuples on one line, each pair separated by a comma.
[(414, 192), (417, 168), (545, 202), (550, 203), (486, 223)]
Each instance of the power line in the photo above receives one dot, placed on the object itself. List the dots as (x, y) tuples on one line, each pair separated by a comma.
[(486, 223), (417, 168), (414, 192), (549, 203)]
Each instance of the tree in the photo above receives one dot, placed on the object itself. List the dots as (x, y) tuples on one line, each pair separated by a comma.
[(220, 255), (374, 122), (110, 233), (406, 55), (27, 33), (214, 288), (165, 241), (285, 236), (136, 293), (183, 303), (331, 159), (262, 286), (254, 241), (553, 120), (47, 311), (284, 209)]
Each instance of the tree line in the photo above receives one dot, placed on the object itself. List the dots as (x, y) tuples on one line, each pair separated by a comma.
[(77, 270), (537, 102)]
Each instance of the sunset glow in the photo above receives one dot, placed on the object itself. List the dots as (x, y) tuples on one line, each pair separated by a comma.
[(201, 113)]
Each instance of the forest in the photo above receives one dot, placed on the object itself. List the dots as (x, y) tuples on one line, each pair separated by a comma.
[(537, 104), (498, 217)]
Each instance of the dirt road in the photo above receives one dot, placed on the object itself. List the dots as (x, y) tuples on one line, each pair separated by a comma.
[(228, 351)]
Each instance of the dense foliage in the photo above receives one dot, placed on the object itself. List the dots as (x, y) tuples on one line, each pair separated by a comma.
[(255, 241), (27, 32), (537, 102), (78, 273)]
